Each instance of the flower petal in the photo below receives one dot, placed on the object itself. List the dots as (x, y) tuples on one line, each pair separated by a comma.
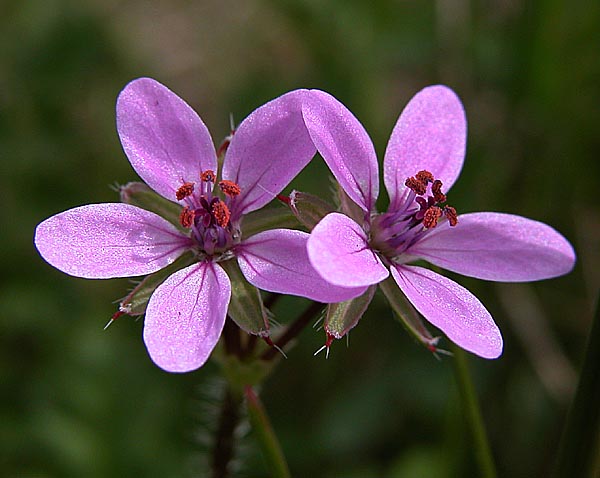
[(100, 241), (452, 309), (268, 149), (165, 140), (430, 135), (277, 261), (344, 145), (339, 250), (185, 317), (498, 247)]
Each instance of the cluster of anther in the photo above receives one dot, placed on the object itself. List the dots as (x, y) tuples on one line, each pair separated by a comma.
[(430, 208), (208, 216)]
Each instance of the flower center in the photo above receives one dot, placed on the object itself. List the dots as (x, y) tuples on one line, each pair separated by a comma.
[(208, 216), (423, 209)]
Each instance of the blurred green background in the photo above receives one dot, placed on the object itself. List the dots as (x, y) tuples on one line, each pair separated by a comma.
[(77, 401)]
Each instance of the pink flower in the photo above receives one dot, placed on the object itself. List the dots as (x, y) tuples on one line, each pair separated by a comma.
[(171, 149), (425, 154)]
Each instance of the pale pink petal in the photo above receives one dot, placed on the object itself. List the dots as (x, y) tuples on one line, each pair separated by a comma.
[(277, 261), (100, 241), (268, 149), (345, 147), (165, 140), (451, 308), (185, 317), (498, 247), (429, 135), (338, 248)]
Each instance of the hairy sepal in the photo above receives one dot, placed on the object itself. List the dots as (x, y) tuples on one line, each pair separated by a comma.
[(246, 307), (140, 195), (343, 316)]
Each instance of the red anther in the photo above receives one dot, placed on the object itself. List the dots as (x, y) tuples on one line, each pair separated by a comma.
[(208, 176), (221, 213), (229, 188), (284, 199), (186, 218), (450, 213), (184, 191), (431, 217), (415, 185), (436, 189), (424, 176)]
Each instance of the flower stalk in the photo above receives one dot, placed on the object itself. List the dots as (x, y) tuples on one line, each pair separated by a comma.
[(472, 412), (267, 439)]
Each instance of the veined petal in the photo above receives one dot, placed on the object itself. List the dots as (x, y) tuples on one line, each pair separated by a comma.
[(100, 241), (339, 250), (344, 145), (185, 317), (452, 309), (268, 149), (277, 261), (430, 135), (498, 247), (165, 140)]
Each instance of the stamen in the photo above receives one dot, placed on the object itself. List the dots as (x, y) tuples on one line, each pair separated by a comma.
[(450, 213), (424, 176), (208, 176), (186, 218), (187, 189), (229, 188), (436, 189), (415, 185), (431, 217), (221, 213)]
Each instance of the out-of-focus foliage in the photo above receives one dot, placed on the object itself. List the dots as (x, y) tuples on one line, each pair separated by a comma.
[(77, 401)]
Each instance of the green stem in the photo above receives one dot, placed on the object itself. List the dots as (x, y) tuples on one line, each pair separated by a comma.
[(580, 444), (472, 413), (267, 439)]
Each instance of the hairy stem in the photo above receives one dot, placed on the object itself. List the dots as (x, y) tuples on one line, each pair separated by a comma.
[(223, 448)]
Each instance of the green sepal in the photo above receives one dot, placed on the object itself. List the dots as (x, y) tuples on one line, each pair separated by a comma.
[(268, 218), (407, 315), (140, 195), (245, 307), (343, 316), (136, 301), (309, 209), (348, 206)]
